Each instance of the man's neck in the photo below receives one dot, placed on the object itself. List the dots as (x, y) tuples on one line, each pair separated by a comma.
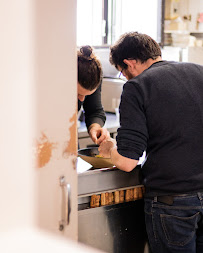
[(147, 64)]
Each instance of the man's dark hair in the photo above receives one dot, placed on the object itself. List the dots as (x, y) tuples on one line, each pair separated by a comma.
[(133, 45), (89, 68)]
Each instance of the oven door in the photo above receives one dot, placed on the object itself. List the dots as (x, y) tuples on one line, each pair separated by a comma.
[(114, 228)]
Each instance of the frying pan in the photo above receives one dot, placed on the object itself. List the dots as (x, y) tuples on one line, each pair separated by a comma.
[(88, 155)]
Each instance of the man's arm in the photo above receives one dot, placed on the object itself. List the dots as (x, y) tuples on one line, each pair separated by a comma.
[(108, 149)]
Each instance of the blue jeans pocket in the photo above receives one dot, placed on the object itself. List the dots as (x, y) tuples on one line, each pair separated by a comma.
[(179, 230)]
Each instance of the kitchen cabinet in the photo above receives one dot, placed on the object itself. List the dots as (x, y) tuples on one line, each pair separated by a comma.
[(195, 55)]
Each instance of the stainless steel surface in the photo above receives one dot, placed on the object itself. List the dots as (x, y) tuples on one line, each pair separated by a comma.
[(111, 93), (66, 203), (115, 229), (108, 69), (98, 180)]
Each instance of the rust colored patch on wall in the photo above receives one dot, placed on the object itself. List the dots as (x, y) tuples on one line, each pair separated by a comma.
[(74, 162), (44, 151), (71, 148)]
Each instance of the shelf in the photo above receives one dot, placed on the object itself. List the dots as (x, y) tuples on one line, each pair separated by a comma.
[(179, 31)]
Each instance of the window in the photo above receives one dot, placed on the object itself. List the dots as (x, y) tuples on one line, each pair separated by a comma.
[(89, 22), (101, 22)]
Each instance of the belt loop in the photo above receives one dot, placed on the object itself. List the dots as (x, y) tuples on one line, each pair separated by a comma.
[(199, 195), (155, 199)]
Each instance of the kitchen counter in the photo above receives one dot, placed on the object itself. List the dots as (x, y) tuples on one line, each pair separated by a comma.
[(105, 179), (118, 225), (113, 226)]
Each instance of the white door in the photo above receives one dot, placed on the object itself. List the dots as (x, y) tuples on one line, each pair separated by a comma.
[(56, 116), (38, 108)]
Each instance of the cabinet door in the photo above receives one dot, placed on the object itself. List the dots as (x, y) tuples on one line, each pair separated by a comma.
[(56, 116)]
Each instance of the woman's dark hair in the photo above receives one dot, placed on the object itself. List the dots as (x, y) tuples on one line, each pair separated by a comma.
[(133, 45), (89, 68)]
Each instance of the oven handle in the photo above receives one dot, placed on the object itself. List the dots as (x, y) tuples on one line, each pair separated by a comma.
[(67, 203)]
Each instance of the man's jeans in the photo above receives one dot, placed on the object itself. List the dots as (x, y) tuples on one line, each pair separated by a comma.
[(177, 227)]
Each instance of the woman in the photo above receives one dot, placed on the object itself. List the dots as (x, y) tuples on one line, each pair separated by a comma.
[(89, 93)]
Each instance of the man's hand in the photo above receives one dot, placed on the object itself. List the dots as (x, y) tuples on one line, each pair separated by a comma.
[(106, 147), (98, 134)]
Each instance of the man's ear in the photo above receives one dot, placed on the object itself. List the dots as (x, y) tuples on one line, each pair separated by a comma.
[(130, 63)]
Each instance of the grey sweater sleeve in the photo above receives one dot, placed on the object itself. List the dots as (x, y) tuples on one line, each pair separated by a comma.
[(133, 134)]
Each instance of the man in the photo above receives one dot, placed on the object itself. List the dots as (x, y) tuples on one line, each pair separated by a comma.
[(89, 93), (161, 112)]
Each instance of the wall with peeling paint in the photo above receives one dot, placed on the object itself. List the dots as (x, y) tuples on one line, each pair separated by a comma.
[(56, 114), (38, 108)]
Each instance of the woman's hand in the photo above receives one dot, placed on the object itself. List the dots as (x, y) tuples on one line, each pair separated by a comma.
[(98, 134)]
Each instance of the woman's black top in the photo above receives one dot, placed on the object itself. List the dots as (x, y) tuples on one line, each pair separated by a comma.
[(94, 112)]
